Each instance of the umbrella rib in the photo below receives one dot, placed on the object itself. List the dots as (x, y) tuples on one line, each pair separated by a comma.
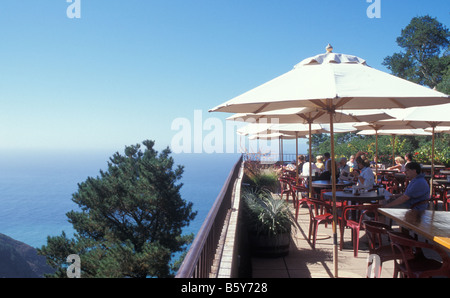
[(343, 101), (397, 103), (319, 103), (261, 108)]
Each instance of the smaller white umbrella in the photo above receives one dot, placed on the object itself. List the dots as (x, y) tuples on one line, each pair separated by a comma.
[(394, 133), (270, 136), (433, 116), (391, 132), (439, 129)]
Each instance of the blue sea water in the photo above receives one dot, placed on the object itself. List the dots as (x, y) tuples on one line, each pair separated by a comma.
[(36, 189)]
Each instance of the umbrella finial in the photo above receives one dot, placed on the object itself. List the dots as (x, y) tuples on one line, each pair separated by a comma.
[(329, 48)]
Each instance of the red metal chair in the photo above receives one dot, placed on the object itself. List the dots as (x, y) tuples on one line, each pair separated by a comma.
[(414, 264), (301, 193), (375, 232), (286, 188), (316, 218), (393, 185), (356, 223), (339, 204), (440, 193)]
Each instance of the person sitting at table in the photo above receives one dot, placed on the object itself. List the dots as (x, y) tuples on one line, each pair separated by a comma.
[(365, 179), (344, 169), (301, 162), (399, 164), (326, 174), (351, 162), (306, 165), (319, 163), (326, 161), (408, 158), (417, 192)]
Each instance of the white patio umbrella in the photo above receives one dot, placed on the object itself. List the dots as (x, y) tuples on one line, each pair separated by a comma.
[(267, 128), (270, 136), (392, 124), (439, 129), (275, 135), (292, 119), (331, 82), (427, 117), (394, 133)]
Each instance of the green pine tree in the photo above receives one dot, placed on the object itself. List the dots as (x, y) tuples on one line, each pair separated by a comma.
[(130, 220), (424, 59)]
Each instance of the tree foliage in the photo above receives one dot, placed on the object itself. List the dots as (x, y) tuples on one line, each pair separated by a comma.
[(425, 57), (130, 219)]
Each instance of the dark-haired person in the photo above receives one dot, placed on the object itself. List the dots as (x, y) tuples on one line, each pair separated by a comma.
[(417, 193), (408, 158), (366, 178)]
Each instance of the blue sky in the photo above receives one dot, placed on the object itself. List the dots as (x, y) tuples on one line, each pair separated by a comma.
[(126, 69)]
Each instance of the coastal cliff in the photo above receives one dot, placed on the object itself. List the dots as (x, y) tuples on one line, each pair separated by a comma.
[(19, 260)]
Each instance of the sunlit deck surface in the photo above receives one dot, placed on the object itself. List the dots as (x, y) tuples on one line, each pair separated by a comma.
[(305, 262)]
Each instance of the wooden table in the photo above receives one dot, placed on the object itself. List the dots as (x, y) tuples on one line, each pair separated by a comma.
[(434, 225), (348, 196)]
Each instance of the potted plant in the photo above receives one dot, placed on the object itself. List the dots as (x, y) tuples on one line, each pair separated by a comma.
[(269, 222)]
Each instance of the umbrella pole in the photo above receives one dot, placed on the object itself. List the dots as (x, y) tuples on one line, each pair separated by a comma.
[(393, 150), (376, 156), (310, 162), (296, 155), (279, 149), (333, 189), (432, 162)]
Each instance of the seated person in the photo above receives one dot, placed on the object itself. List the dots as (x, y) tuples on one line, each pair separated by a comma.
[(326, 174), (351, 162), (417, 192), (319, 164), (366, 178), (399, 164), (306, 165), (343, 169), (301, 162)]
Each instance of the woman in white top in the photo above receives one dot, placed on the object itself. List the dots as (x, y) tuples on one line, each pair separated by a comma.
[(365, 179), (399, 164), (306, 165)]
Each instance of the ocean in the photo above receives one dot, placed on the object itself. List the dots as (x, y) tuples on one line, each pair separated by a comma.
[(36, 189)]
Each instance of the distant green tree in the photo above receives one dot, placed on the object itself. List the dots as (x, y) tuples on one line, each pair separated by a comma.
[(424, 59), (130, 220), (444, 85)]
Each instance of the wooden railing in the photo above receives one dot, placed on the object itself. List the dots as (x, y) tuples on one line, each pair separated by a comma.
[(200, 257)]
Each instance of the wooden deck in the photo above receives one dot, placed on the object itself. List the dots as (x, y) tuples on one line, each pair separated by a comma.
[(305, 262)]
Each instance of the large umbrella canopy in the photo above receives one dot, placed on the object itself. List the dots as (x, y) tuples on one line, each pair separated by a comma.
[(329, 82)]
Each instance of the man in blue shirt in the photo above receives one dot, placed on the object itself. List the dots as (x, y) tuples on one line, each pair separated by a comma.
[(417, 193)]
